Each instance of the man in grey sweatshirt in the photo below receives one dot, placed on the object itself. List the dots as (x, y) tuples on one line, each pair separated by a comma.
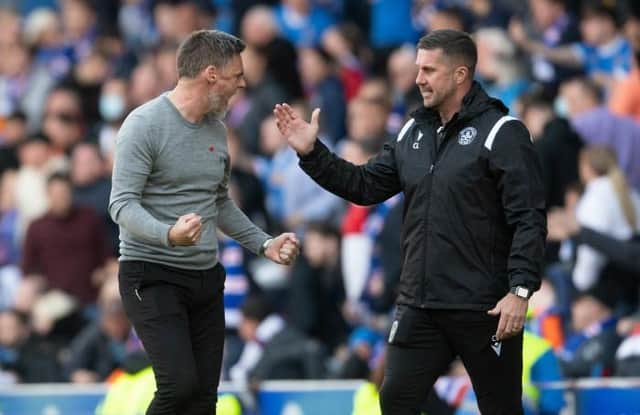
[(169, 195)]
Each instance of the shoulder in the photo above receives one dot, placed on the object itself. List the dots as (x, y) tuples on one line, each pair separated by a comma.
[(39, 225), (406, 129), (506, 129), (143, 116), (87, 213)]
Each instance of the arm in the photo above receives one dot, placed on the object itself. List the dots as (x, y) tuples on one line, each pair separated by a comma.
[(519, 179), (233, 222), (515, 164), (372, 183), (30, 255), (563, 55), (132, 166), (624, 253), (368, 184), (593, 213)]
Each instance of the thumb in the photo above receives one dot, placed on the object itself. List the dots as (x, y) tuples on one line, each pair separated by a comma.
[(315, 115), (494, 311)]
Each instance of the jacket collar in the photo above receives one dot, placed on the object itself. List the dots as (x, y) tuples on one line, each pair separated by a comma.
[(475, 102)]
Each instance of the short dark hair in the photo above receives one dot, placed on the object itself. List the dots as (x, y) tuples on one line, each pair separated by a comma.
[(600, 9), (255, 307), (454, 44), (590, 87), (206, 47)]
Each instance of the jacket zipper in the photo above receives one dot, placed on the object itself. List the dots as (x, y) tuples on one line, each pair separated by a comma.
[(436, 153)]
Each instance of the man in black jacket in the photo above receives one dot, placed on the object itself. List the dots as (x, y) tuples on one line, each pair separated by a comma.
[(473, 228)]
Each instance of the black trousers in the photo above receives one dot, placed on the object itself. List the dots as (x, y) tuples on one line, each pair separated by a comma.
[(179, 316), (422, 345)]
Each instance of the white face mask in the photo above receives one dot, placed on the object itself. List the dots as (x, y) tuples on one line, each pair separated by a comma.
[(560, 107), (112, 107)]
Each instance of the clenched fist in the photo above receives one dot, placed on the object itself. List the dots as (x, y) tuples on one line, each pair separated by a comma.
[(283, 249), (186, 231)]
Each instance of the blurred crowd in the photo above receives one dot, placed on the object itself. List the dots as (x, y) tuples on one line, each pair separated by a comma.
[(73, 69)]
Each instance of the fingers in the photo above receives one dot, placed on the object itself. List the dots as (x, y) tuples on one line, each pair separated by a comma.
[(289, 249), (188, 217), (509, 326), (288, 253), (284, 113), (502, 325), (315, 116), (292, 115), (197, 235)]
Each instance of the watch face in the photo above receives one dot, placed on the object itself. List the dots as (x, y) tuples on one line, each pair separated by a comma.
[(522, 292)]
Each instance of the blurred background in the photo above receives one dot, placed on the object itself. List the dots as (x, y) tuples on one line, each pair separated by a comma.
[(71, 71)]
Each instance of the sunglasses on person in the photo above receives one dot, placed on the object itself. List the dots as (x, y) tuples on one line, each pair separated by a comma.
[(64, 117)]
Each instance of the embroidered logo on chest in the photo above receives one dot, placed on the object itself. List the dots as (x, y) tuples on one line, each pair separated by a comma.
[(467, 135)]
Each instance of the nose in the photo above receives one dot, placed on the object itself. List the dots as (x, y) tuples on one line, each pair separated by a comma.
[(420, 79), (242, 84)]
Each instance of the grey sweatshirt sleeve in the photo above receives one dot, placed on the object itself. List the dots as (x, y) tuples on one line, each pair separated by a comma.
[(132, 166), (233, 222)]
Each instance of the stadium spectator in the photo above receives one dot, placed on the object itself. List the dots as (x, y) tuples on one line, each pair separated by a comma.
[(273, 349), (302, 22), (624, 98), (91, 187), (558, 146), (316, 291), (590, 350), (581, 102), (13, 133), (64, 120), (608, 205), (67, 245), (401, 70), (292, 198), (604, 54), (101, 347), (499, 70), (324, 89), (552, 25)]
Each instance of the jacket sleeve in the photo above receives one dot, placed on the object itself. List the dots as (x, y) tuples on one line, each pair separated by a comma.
[(516, 166), (368, 184)]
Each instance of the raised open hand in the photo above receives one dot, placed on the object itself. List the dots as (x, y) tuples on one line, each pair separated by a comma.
[(300, 134)]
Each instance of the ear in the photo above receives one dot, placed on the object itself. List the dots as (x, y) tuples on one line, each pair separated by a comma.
[(461, 74), (210, 74)]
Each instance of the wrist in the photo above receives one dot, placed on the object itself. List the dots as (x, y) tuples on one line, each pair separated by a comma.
[(522, 292), (264, 247), (169, 238), (307, 151)]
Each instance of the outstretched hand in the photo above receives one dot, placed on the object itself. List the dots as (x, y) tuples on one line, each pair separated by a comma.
[(283, 249), (300, 134)]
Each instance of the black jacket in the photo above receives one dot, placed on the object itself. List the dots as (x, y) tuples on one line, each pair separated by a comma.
[(474, 221)]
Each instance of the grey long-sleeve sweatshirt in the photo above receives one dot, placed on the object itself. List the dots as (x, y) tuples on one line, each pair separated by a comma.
[(166, 167)]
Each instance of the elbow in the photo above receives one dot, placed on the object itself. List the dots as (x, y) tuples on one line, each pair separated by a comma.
[(114, 209)]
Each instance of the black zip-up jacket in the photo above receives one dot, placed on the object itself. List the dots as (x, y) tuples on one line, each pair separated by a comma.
[(474, 220)]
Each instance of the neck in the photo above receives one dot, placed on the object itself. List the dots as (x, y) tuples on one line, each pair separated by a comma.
[(188, 99), (608, 38), (451, 106)]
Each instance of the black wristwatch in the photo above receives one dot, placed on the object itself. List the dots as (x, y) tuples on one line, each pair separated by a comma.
[(521, 291)]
